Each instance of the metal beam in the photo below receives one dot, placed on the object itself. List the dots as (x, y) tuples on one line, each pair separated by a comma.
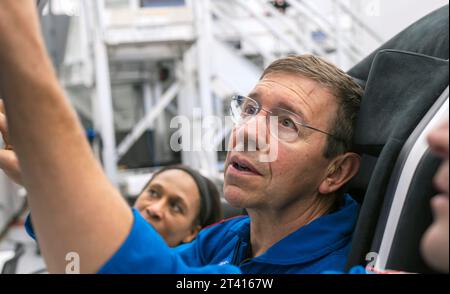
[(203, 19), (103, 106), (145, 122), (187, 101)]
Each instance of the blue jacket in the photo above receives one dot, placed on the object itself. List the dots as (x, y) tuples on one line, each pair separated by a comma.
[(319, 246)]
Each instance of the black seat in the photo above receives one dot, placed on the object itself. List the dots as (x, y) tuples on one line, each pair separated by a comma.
[(415, 218), (405, 79)]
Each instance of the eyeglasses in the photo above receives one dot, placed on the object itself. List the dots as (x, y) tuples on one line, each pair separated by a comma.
[(286, 124)]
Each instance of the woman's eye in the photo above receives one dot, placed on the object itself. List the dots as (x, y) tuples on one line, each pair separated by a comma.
[(177, 208), (153, 193)]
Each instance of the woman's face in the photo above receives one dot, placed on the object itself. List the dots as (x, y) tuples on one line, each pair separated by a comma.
[(171, 204)]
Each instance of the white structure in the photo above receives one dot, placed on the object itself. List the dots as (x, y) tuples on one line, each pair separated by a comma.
[(212, 48), (116, 51)]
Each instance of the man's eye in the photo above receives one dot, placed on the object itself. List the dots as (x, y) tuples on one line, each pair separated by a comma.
[(288, 123), (249, 109)]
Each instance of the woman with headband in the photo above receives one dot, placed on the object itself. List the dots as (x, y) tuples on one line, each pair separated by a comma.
[(178, 202)]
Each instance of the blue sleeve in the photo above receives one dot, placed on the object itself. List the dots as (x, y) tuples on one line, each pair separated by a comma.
[(194, 254), (211, 246), (29, 227), (145, 252), (356, 270), (190, 254)]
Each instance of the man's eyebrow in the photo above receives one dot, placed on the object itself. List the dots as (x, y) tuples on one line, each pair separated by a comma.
[(293, 109), (254, 95), (281, 104)]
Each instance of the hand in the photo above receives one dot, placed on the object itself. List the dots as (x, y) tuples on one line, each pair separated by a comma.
[(8, 159)]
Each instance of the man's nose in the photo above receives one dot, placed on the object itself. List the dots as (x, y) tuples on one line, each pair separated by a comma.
[(253, 134)]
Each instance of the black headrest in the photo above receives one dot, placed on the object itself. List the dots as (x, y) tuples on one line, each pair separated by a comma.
[(428, 36), (401, 88)]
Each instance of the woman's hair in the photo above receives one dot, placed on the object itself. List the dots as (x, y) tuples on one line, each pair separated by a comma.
[(210, 210)]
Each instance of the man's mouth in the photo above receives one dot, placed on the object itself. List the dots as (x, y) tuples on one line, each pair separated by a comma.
[(240, 167), (243, 166)]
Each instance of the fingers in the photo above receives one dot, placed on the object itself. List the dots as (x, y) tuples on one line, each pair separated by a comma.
[(2, 106), (441, 178), (4, 131), (10, 165), (438, 140), (4, 126), (7, 159)]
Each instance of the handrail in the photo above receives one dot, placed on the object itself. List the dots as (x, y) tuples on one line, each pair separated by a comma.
[(354, 17), (292, 45), (231, 24), (349, 51), (292, 28), (301, 5), (296, 42)]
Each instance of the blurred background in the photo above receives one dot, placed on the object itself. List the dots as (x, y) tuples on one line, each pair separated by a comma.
[(130, 66)]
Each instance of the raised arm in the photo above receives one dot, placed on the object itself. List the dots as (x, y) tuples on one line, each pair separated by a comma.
[(75, 208)]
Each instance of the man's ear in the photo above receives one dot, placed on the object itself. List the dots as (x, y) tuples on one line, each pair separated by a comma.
[(194, 232), (340, 171)]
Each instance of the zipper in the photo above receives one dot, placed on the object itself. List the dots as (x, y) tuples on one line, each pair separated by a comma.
[(236, 253)]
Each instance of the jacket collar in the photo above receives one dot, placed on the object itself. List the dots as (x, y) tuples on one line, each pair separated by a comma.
[(313, 241)]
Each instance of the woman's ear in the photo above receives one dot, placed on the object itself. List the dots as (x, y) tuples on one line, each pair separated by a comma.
[(340, 171), (194, 232)]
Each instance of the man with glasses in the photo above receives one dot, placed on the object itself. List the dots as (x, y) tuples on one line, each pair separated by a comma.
[(290, 157), (299, 220)]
